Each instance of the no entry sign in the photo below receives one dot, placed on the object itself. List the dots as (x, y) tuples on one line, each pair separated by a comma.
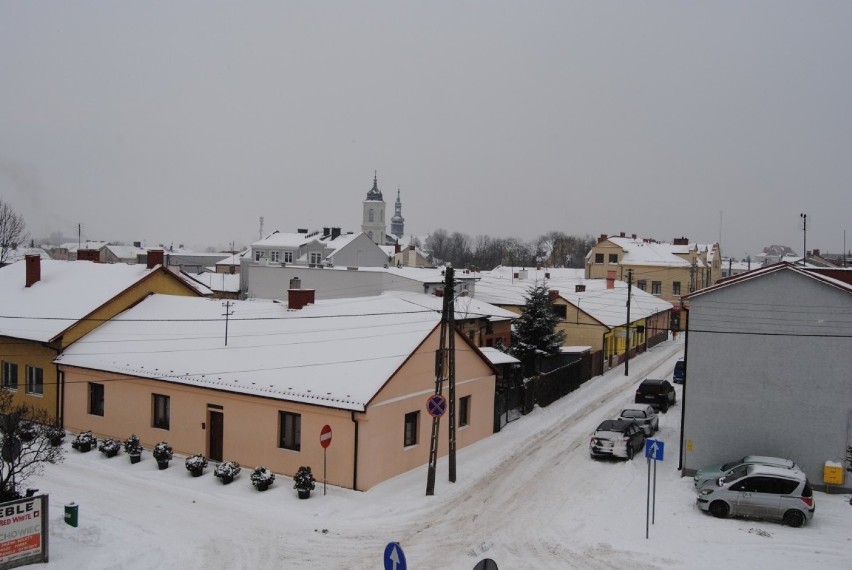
[(325, 436)]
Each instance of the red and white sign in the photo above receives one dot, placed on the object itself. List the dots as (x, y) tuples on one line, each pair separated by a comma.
[(325, 436), (22, 528)]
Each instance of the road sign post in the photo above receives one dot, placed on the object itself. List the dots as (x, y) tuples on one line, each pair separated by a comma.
[(654, 450), (325, 441)]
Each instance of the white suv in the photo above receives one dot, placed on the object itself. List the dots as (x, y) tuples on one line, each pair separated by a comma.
[(760, 491)]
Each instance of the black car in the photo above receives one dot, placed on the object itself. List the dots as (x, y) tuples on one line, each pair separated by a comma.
[(657, 392), (617, 438)]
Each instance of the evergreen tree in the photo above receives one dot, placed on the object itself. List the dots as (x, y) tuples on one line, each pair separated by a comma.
[(535, 333)]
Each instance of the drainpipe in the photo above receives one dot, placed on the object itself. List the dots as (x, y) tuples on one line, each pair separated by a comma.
[(683, 395), (355, 455)]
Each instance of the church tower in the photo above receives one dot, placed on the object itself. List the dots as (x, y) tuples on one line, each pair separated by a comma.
[(397, 221), (373, 223)]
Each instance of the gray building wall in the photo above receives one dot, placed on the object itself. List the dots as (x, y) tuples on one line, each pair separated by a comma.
[(272, 281), (765, 376), (360, 252)]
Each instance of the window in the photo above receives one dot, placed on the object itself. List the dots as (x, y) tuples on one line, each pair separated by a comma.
[(411, 421), (289, 431), (96, 399), (274, 256), (561, 311), (675, 287), (259, 254), (613, 258), (35, 380), (656, 287), (464, 411), (316, 257), (642, 284), (161, 411), (10, 375), (599, 257), (371, 215), (288, 257)]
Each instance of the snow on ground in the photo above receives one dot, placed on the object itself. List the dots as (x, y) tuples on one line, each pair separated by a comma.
[(528, 497)]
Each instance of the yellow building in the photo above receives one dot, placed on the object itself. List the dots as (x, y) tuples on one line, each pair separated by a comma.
[(665, 270), (46, 305)]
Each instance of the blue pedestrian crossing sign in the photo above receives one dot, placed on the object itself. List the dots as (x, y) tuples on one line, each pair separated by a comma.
[(654, 449), (394, 558)]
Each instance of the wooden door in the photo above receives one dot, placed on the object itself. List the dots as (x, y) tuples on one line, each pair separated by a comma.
[(216, 434)]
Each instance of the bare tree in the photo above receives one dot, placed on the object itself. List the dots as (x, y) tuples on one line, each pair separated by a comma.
[(28, 441), (13, 231)]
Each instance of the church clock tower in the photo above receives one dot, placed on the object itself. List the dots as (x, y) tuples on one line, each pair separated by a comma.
[(397, 221), (373, 223)]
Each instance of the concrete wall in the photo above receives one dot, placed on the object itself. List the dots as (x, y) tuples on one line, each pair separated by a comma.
[(780, 390)]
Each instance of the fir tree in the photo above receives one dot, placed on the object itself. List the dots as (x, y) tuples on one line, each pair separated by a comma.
[(535, 333)]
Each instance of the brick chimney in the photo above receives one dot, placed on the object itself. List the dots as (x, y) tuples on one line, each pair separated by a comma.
[(816, 253), (335, 233), (33, 262), (552, 295), (298, 297), (602, 238), (155, 257), (397, 248), (610, 279), (680, 241), (622, 234), (88, 255)]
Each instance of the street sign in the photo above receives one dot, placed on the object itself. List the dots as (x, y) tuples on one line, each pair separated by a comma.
[(325, 436), (436, 405), (654, 449), (394, 558)]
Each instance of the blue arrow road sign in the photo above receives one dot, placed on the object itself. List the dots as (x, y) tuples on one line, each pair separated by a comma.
[(654, 449), (394, 558)]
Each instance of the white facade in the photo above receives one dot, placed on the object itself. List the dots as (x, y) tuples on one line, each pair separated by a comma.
[(768, 365)]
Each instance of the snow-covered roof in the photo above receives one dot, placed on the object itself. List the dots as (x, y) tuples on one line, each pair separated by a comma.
[(640, 252), (66, 292), (126, 251), (336, 353), (763, 271), (74, 246), (497, 356), (20, 252), (281, 239), (608, 306), (466, 306)]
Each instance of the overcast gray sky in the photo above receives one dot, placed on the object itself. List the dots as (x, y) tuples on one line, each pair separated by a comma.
[(184, 122)]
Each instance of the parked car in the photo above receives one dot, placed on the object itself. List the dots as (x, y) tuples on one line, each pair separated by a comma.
[(760, 491), (679, 375), (644, 415), (617, 438), (656, 392), (713, 472)]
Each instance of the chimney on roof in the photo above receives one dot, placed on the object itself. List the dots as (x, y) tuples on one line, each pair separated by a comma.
[(622, 234), (33, 274), (397, 248), (552, 294), (88, 255), (298, 297), (335, 233), (302, 231), (633, 236), (602, 238), (155, 258), (579, 288), (326, 232), (816, 253), (137, 244), (680, 241), (411, 248), (610, 279)]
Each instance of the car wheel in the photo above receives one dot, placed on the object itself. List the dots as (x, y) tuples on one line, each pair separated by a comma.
[(665, 407), (794, 518), (719, 509)]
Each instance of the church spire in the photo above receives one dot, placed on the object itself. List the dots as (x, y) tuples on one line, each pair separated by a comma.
[(375, 193)]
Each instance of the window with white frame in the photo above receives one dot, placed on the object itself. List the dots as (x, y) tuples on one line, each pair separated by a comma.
[(274, 256), (656, 287), (316, 258), (10, 375), (259, 254), (35, 380), (290, 431), (288, 257), (675, 287)]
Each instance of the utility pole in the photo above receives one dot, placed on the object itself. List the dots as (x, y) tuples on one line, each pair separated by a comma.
[(442, 364), (692, 277), (805, 238), (449, 290), (627, 339), (227, 313)]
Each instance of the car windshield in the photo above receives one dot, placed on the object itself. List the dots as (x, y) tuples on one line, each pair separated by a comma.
[(632, 414), (737, 473), (732, 464)]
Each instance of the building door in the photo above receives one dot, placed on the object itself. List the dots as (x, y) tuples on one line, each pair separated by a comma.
[(216, 434)]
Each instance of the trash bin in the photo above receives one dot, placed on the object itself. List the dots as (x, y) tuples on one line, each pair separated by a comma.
[(71, 511)]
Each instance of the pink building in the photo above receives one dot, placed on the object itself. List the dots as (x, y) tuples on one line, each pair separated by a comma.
[(261, 392)]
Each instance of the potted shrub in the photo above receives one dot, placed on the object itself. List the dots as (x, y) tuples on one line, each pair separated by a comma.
[(27, 431), (195, 464), (55, 435), (110, 447), (262, 478), (133, 448), (163, 454), (304, 482), (84, 442), (226, 471)]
